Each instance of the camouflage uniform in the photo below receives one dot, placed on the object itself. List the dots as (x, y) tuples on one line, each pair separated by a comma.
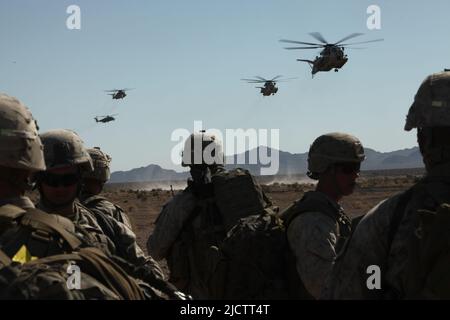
[(382, 237), (313, 237), (101, 203), (169, 224), (124, 240)]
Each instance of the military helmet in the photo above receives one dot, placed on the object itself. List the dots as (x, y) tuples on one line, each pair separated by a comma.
[(100, 161), (332, 148), (431, 106), (202, 148), (65, 148), (20, 145)]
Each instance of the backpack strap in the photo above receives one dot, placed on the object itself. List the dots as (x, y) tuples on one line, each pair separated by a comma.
[(399, 213), (308, 204), (4, 259), (36, 218), (9, 213), (103, 269)]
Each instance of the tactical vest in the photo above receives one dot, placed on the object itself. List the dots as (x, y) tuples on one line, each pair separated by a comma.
[(309, 203)]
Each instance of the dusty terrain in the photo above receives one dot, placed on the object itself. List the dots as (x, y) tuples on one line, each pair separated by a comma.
[(143, 206)]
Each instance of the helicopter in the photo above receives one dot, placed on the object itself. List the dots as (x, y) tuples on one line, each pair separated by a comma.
[(332, 56), (118, 93), (269, 87), (106, 118)]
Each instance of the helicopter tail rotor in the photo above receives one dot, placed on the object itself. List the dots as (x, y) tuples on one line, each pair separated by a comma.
[(310, 62)]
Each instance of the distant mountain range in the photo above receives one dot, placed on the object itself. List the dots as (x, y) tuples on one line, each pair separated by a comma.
[(289, 164)]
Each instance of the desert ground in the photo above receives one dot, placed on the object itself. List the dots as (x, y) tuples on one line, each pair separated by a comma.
[(143, 203)]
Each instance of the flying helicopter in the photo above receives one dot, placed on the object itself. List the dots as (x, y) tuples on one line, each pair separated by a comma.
[(106, 118), (269, 87), (118, 93), (332, 56)]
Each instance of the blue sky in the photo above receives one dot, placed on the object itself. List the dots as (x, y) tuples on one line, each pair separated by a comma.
[(186, 58)]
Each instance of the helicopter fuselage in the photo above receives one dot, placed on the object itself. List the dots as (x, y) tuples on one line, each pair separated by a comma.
[(268, 89), (330, 58), (119, 95)]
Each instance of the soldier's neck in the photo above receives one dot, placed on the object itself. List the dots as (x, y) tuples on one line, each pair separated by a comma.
[(329, 191)]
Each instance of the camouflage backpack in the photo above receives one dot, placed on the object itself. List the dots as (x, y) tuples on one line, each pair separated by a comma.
[(255, 260), (50, 278), (38, 240), (231, 195)]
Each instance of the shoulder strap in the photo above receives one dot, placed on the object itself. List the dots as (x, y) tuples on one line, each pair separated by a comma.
[(307, 204), (399, 212), (4, 259), (9, 212), (34, 217)]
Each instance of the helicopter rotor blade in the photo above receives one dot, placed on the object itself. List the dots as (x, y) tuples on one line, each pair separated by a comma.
[(128, 89), (275, 78), (300, 42), (356, 48), (113, 115), (294, 48), (261, 78), (286, 79), (253, 80), (350, 44), (349, 37), (318, 36)]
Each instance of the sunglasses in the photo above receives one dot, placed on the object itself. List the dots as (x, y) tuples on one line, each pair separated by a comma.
[(349, 168), (56, 180)]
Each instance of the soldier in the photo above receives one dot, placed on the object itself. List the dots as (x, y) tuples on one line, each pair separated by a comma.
[(378, 262), (197, 219), (21, 152), (183, 218), (93, 182), (317, 224), (59, 186), (66, 159)]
